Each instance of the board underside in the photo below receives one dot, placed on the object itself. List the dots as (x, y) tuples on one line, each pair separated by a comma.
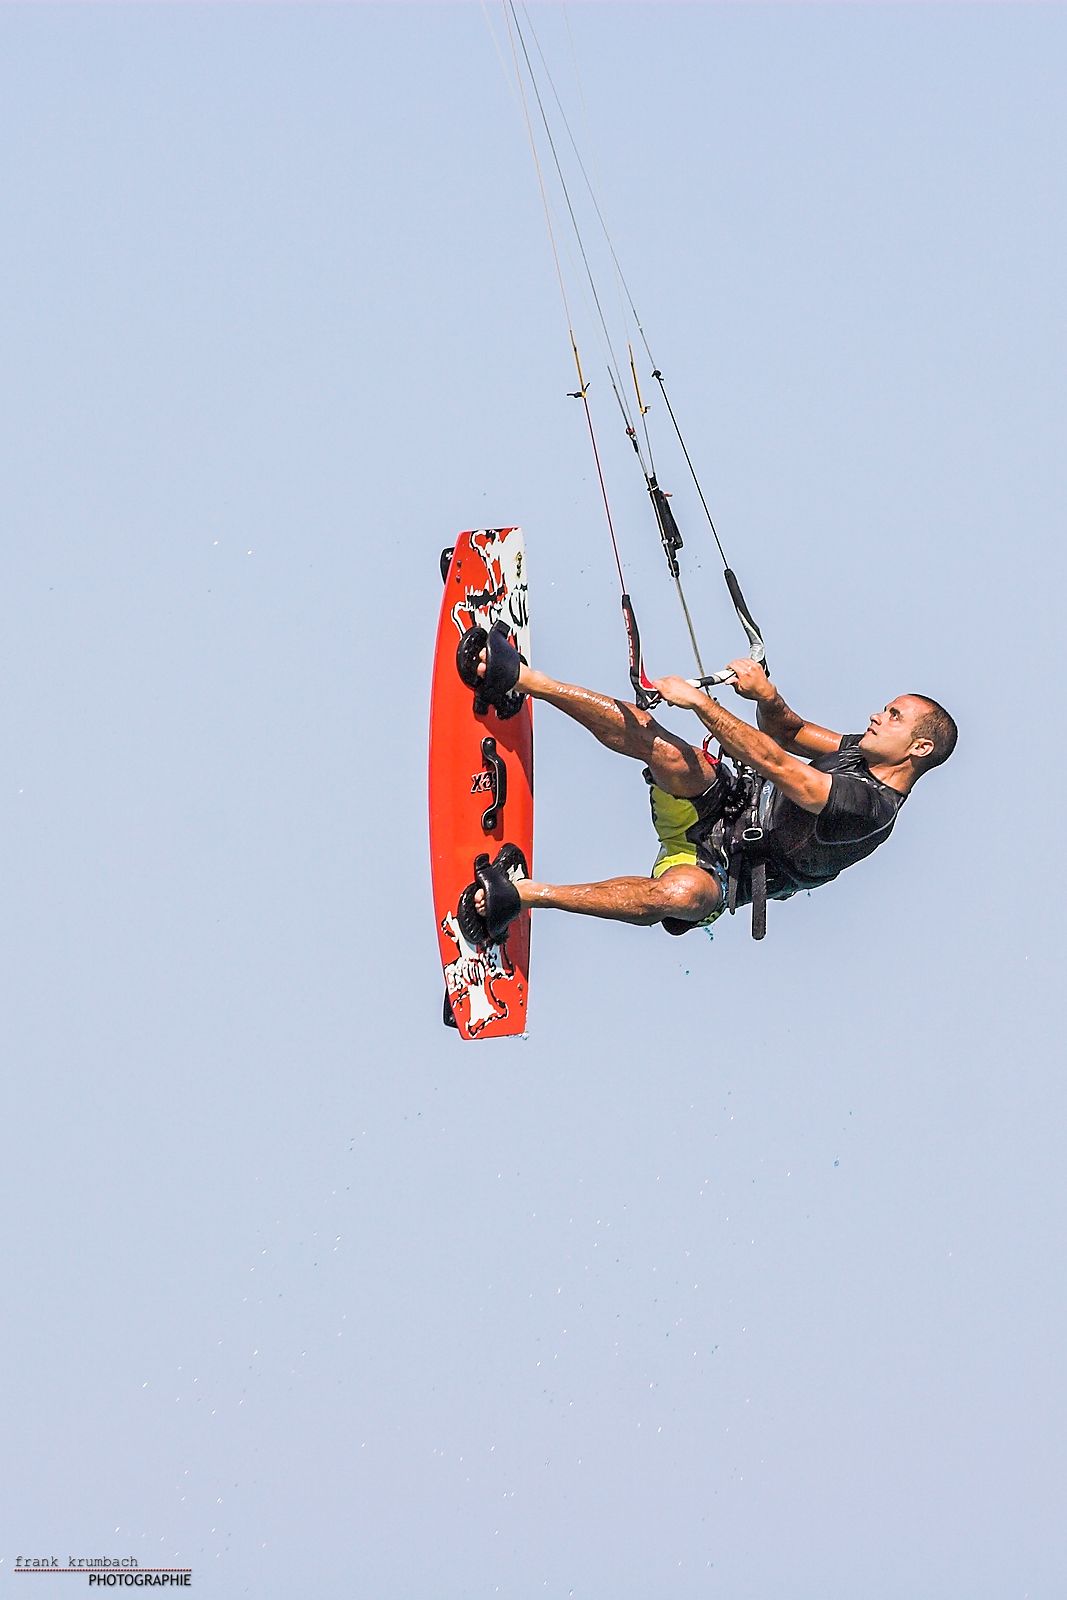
[(486, 987)]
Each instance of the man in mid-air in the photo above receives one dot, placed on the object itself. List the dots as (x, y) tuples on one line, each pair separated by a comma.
[(826, 801)]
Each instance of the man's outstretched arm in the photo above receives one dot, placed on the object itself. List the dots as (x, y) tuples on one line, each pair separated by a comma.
[(777, 719), (797, 781)]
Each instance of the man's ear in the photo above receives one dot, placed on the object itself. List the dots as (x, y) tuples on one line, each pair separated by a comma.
[(921, 749)]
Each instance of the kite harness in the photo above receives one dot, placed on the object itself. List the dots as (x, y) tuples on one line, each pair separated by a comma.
[(742, 834)]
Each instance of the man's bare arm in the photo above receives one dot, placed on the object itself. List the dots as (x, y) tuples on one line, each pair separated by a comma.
[(797, 781), (780, 721)]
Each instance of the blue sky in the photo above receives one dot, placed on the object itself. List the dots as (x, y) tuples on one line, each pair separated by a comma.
[(740, 1275)]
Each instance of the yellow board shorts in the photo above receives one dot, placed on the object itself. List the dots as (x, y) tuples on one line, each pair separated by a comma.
[(683, 828)]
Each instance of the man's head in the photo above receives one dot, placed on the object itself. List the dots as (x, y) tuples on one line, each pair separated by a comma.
[(913, 732)]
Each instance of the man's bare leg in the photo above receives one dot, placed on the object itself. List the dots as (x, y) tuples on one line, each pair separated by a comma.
[(678, 767), (686, 893)]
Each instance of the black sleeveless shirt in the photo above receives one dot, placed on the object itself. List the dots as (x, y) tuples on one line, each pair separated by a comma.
[(804, 850)]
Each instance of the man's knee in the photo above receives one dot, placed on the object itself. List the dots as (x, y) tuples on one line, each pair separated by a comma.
[(681, 769), (688, 894)]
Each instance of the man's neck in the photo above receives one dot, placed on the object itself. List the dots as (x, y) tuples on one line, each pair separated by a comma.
[(899, 777)]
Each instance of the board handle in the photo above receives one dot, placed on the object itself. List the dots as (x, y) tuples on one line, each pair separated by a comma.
[(498, 783)]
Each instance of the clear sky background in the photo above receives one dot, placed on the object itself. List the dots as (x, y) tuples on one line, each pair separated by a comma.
[(742, 1275)]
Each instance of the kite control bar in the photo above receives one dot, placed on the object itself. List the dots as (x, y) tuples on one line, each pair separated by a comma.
[(713, 679)]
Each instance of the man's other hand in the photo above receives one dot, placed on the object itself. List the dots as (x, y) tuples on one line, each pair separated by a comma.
[(752, 682)]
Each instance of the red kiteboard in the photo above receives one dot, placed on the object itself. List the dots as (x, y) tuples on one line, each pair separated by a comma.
[(481, 783)]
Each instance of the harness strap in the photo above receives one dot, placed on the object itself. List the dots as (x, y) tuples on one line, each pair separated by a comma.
[(759, 899), (742, 840), (734, 873)]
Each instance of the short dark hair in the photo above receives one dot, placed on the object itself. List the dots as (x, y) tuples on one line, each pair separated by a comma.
[(936, 725)]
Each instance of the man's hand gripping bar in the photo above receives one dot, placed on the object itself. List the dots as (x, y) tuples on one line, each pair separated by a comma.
[(756, 653)]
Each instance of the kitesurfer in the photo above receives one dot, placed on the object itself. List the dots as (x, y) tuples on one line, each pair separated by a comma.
[(826, 800)]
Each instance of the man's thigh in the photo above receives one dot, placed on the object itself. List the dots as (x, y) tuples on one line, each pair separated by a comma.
[(678, 767)]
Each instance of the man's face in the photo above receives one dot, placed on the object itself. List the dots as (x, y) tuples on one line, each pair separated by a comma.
[(890, 735)]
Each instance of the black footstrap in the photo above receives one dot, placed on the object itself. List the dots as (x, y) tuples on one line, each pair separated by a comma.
[(502, 903), (502, 662)]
